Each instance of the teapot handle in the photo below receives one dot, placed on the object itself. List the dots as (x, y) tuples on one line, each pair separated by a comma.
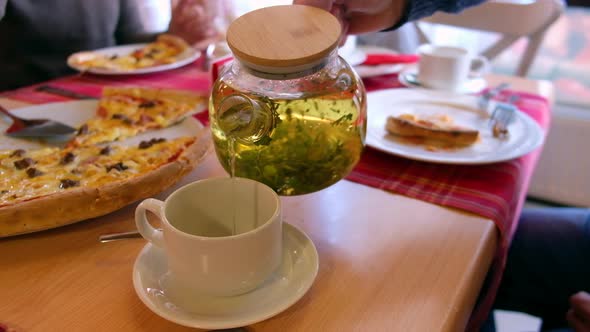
[(245, 119)]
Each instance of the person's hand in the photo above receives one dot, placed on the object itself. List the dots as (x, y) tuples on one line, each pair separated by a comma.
[(195, 21), (579, 314), (361, 16)]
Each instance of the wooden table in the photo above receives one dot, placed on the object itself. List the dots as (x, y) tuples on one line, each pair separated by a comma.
[(387, 263)]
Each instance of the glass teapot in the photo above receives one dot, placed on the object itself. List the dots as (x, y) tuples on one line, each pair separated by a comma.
[(288, 111)]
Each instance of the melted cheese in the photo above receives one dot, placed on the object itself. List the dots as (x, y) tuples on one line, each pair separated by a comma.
[(106, 130), (123, 116), (89, 168)]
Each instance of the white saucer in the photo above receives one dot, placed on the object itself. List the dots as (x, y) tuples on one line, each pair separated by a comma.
[(288, 284), (409, 78)]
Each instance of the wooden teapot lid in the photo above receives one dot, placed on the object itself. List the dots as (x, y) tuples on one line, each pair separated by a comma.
[(283, 39)]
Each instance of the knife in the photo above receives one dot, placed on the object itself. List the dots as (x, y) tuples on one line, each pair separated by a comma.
[(62, 92)]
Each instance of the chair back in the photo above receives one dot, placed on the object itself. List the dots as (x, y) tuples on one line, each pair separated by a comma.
[(512, 20)]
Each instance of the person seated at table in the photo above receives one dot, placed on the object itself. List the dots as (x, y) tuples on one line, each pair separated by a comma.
[(36, 37), (548, 269)]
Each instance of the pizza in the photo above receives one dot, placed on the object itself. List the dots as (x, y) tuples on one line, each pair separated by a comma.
[(53, 186), (164, 50), (434, 129), (126, 112)]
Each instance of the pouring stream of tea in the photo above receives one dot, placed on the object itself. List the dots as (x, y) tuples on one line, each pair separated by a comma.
[(245, 118), (232, 161)]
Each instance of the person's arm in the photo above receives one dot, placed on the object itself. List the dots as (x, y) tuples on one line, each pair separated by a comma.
[(417, 9), (191, 20), (195, 21), (364, 16), (361, 16)]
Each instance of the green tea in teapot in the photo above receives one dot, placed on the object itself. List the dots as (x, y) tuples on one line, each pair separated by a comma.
[(315, 142), (288, 111)]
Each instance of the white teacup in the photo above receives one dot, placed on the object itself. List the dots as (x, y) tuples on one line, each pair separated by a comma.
[(447, 67), (197, 234)]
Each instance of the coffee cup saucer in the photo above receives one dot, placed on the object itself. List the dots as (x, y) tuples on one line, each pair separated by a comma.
[(286, 286), (409, 78)]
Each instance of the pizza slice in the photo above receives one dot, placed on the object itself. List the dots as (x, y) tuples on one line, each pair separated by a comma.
[(437, 129), (126, 112), (164, 50), (45, 188)]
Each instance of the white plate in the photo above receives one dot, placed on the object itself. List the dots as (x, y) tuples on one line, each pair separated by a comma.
[(525, 134), (288, 284), (188, 56), (75, 113), (354, 57), (409, 78)]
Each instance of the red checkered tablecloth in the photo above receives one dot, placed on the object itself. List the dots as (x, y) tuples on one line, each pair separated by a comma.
[(495, 191)]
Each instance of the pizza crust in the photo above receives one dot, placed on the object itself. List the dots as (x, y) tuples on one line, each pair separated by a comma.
[(84, 203)]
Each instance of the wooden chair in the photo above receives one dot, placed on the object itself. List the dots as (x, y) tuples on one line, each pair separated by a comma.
[(510, 19)]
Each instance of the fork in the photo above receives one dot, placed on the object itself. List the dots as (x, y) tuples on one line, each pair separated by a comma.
[(31, 128), (502, 116), (484, 100)]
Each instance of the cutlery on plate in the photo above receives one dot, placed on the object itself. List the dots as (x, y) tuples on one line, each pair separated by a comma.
[(207, 55), (119, 236), (31, 128), (62, 92), (486, 97), (502, 115)]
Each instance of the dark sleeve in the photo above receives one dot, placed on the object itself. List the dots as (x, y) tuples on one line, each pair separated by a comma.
[(130, 27), (417, 9)]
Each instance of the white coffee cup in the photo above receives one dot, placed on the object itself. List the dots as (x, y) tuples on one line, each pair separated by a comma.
[(447, 67), (197, 223)]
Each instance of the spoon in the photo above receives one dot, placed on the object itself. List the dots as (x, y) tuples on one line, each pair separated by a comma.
[(118, 236)]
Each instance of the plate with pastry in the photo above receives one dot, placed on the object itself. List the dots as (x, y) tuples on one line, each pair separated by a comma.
[(165, 53), (446, 128)]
